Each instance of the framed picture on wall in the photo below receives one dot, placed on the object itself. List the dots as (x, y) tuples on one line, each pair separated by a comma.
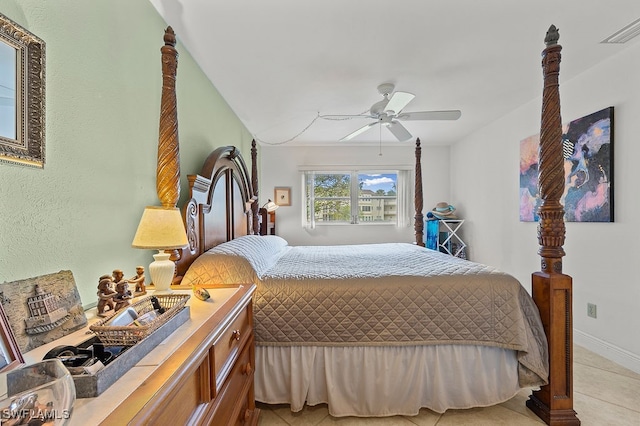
[(587, 147), (282, 196), (22, 84)]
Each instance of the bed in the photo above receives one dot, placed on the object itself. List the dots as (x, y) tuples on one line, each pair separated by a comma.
[(411, 316), (371, 339)]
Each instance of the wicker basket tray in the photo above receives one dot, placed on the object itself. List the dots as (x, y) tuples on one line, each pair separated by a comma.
[(130, 335)]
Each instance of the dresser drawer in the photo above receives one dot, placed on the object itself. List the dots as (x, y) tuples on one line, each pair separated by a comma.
[(225, 350), (189, 400), (234, 404)]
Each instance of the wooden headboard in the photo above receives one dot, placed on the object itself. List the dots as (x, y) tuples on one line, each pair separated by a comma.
[(223, 205), (220, 206)]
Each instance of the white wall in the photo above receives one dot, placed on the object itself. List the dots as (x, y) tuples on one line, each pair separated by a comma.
[(601, 257), (279, 166)]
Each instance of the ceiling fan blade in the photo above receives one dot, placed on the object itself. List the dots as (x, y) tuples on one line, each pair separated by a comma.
[(398, 101), (359, 131), (399, 131), (430, 115)]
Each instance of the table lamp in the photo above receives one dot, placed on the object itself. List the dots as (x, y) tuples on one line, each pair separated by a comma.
[(161, 228), (270, 206)]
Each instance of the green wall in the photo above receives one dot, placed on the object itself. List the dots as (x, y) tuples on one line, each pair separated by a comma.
[(103, 87)]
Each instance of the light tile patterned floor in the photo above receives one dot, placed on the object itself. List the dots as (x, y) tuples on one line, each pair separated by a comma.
[(605, 394)]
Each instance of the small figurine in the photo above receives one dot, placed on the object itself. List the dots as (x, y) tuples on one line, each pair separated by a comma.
[(106, 293), (123, 294), (138, 280), (118, 276)]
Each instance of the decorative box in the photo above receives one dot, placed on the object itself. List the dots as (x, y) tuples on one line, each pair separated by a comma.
[(120, 348)]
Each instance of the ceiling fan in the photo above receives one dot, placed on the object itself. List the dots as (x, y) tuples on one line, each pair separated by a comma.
[(388, 111)]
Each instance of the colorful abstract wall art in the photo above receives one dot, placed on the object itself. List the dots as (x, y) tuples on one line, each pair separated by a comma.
[(588, 168)]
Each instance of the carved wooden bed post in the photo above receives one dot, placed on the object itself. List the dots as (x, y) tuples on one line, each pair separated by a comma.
[(254, 184), (418, 202), (168, 171), (551, 289)]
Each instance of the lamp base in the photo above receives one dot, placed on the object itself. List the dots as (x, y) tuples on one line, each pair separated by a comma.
[(162, 270)]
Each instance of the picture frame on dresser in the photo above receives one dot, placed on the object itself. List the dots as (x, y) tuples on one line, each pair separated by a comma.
[(10, 354), (42, 309)]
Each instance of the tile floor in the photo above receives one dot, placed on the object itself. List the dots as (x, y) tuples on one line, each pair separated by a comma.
[(604, 394)]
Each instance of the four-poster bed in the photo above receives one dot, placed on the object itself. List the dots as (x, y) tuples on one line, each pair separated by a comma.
[(221, 218)]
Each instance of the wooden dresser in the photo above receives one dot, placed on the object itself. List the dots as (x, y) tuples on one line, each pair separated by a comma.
[(202, 374)]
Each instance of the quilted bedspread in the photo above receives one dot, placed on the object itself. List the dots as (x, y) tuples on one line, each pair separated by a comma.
[(386, 294)]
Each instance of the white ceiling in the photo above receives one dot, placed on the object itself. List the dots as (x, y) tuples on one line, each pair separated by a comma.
[(281, 63)]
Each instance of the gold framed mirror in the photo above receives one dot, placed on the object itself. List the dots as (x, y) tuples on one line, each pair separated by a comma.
[(22, 95)]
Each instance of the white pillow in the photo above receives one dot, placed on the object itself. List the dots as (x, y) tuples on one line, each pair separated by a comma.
[(237, 261)]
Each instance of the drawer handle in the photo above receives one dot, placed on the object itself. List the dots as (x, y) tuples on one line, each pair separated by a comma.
[(247, 416), (247, 370), (235, 335)]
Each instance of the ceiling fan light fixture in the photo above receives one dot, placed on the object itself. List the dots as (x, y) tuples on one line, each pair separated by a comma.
[(385, 119)]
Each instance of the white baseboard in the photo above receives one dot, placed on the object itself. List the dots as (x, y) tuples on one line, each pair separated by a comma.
[(618, 355)]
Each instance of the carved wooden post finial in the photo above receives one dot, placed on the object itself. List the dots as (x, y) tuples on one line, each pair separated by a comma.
[(552, 36), (168, 171), (418, 202), (551, 228)]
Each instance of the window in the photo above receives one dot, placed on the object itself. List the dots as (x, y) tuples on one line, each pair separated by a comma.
[(355, 197)]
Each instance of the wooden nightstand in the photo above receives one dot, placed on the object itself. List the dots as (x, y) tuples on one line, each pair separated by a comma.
[(208, 379), (201, 374)]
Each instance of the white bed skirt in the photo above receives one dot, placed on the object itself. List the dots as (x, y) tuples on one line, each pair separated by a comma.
[(385, 381)]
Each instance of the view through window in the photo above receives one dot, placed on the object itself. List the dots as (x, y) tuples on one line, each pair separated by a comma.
[(352, 197)]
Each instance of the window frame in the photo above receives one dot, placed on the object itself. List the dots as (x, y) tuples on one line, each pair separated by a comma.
[(404, 194)]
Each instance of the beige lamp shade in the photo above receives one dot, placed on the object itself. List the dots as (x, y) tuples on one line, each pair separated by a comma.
[(160, 228)]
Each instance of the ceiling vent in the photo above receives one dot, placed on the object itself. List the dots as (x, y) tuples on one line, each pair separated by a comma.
[(625, 34)]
